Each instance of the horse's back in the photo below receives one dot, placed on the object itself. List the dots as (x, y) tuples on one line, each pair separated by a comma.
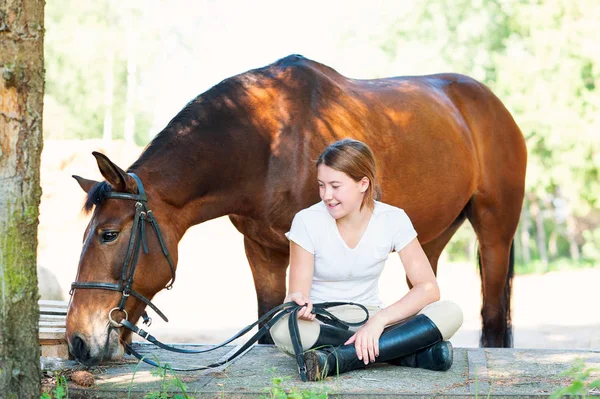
[(435, 137)]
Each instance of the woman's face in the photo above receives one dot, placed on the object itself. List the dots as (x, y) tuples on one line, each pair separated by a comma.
[(340, 193)]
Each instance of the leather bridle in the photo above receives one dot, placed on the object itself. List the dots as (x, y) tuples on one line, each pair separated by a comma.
[(138, 241)]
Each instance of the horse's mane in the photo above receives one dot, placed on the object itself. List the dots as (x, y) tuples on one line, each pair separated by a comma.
[(97, 195), (196, 112)]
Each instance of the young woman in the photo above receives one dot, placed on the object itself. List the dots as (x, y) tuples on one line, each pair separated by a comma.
[(338, 248)]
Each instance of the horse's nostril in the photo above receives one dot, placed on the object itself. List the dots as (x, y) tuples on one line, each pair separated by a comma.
[(80, 349)]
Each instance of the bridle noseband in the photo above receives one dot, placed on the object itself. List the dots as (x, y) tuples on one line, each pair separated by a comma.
[(137, 240)]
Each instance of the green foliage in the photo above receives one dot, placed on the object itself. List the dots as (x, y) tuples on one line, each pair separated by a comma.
[(84, 41), (277, 391), (61, 391), (581, 386), (591, 248), (168, 381)]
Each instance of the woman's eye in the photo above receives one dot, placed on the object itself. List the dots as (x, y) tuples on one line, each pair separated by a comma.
[(335, 186), (109, 236)]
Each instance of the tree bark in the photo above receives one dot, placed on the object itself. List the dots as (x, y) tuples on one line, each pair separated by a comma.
[(21, 102)]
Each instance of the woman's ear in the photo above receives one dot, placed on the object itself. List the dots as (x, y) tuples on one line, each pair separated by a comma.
[(364, 184)]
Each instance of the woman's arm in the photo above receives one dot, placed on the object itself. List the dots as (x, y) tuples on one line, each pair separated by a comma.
[(425, 291), (425, 287), (302, 267)]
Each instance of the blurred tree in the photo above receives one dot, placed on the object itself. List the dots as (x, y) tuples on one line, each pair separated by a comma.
[(21, 103), (92, 73)]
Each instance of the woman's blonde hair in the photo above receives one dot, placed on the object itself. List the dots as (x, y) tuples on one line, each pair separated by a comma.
[(355, 159)]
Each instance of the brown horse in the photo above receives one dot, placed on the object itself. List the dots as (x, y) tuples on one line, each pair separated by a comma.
[(447, 150)]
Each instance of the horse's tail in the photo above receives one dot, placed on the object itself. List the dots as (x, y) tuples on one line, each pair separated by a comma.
[(506, 299)]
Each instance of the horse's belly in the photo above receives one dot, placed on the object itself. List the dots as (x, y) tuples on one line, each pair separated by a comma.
[(432, 185)]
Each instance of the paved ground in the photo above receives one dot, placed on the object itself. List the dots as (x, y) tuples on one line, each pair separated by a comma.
[(214, 294), (500, 373)]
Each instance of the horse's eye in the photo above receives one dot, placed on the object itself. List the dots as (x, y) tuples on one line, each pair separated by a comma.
[(109, 236)]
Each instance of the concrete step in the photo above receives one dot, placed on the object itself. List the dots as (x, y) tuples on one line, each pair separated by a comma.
[(499, 373)]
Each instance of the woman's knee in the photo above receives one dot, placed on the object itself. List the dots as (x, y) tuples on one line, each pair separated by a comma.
[(446, 315), (309, 332)]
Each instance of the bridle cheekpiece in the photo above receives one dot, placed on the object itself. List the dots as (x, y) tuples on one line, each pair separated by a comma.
[(137, 241)]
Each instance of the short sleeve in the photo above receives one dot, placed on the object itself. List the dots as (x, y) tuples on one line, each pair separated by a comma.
[(404, 231), (299, 234)]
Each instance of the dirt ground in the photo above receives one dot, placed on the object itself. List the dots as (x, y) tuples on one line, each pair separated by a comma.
[(214, 295)]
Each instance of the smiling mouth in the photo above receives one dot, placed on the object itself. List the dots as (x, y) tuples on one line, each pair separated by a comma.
[(331, 206)]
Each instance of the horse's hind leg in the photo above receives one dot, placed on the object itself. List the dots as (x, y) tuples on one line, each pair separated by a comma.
[(495, 218), (268, 270)]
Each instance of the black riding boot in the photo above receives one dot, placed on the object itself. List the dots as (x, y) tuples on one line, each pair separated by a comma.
[(331, 336), (406, 338), (437, 357)]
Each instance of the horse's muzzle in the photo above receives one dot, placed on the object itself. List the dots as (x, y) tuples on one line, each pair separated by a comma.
[(80, 350)]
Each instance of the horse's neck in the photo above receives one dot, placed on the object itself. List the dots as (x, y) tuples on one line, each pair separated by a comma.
[(199, 180)]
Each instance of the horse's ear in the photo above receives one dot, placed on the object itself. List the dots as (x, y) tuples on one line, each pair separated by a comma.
[(114, 175), (85, 184)]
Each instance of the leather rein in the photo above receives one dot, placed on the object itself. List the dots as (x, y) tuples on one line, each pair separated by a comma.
[(137, 242)]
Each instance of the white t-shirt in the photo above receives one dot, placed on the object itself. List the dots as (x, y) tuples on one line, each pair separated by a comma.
[(344, 274)]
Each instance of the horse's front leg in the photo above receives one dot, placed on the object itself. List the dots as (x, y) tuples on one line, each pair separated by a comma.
[(268, 270)]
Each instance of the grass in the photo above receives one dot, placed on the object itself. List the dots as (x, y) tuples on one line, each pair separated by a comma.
[(277, 391), (168, 381), (477, 389)]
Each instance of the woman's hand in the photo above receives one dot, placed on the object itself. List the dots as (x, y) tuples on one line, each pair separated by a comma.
[(366, 340), (300, 299)]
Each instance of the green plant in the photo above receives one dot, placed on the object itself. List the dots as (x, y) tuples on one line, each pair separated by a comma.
[(168, 380), (276, 391), (477, 389), (580, 386), (61, 391)]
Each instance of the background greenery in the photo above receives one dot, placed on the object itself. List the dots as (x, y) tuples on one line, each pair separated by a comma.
[(120, 70)]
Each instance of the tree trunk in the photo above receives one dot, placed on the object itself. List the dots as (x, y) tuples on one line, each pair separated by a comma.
[(21, 102)]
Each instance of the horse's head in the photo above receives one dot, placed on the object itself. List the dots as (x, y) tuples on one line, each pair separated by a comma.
[(125, 261)]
